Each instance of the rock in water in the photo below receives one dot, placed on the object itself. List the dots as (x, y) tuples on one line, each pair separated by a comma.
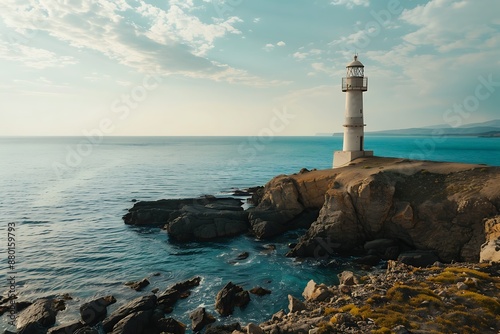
[(134, 323), (65, 329), (170, 296), (139, 285), (42, 312), (144, 303), (95, 311), (170, 325), (260, 291), (203, 218), (230, 296), (200, 318)]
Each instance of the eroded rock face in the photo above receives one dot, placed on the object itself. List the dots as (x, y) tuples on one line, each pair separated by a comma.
[(440, 207)]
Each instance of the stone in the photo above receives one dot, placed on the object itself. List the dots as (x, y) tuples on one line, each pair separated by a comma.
[(490, 250), (42, 311), (260, 291), (242, 256), (295, 305), (134, 323), (200, 318), (87, 330), (65, 329), (230, 296), (418, 258), (254, 329), (348, 278), (170, 296), (139, 285), (315, 292), (223, 329), (32, 328), (199, 223), (170, 325), (344, 319), (144, 303), (462, 286), (95, 311)]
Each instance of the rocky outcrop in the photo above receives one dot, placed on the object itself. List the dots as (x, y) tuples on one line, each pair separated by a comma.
[(131, 311), (229, 297), (95, 311), (438, 207), (200, 318), (177, 291), (41, 314), (203, 218), (289, 202)]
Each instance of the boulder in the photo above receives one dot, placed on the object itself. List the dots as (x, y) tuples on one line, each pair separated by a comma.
[(200, 318), (229, 297), (65, 329), (260, 291), (139, 285), (316, 292), (242, 256), (254, 329), (223, 329), (348, 278), (87, 330), (42, 312), (159, 212), (144, 303), (295, 305), (418, 258), (33, 328), (95, 311), (170, 325), (199, 222), (490, 250), (134, 323), (170, 296)]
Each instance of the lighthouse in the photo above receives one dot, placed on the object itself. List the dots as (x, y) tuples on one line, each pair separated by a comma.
[(354, 84)]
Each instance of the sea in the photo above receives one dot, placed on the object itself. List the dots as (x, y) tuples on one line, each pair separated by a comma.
[(65, 198)]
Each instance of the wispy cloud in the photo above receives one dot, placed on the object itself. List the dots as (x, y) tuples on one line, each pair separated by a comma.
[(133, 33), (351, 3)]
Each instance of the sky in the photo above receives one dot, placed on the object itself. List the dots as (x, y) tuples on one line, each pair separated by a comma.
[(243, 67)]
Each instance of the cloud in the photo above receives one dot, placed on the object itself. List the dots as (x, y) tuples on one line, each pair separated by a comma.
[(351, 3), (33, 57), (269, 46), (448, 25), (132, 33), (313, 53)]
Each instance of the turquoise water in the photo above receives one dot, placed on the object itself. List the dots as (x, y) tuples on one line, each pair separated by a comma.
[(67, 196)]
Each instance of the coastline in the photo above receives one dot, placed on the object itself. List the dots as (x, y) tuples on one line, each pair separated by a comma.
[(324, 184)]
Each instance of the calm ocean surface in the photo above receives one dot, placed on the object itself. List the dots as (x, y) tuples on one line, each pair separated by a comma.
[(67, 196)]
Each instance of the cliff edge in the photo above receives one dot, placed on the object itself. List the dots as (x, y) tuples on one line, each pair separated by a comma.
[(450, 209)]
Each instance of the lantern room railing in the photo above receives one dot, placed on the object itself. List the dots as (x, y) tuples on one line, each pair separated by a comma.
[(355, 83)]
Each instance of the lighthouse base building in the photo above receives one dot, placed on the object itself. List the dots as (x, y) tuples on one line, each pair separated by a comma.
[(354, 84)]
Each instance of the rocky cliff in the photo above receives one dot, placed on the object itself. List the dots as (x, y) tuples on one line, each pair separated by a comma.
[(450, 209)]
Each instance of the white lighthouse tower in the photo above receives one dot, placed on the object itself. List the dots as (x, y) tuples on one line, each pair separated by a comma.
[(354, 84)]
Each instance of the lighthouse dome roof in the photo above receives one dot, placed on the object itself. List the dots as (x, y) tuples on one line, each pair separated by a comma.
[(355, 63)]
